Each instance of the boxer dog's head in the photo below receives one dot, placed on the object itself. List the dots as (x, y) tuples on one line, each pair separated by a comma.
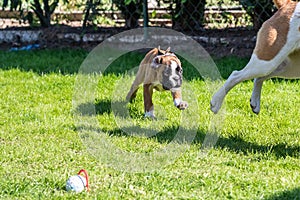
[(168, 68)]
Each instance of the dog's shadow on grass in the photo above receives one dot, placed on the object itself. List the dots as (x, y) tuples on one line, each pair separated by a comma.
[(120, 110), (287, 194), (99, 107), (233, 143), (237, 144), (106, 106)]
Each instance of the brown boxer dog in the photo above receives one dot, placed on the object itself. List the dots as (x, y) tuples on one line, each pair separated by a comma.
[(160, 70)]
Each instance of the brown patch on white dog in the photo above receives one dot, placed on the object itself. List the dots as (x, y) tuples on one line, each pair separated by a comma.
[(280, 3), (273, 34)]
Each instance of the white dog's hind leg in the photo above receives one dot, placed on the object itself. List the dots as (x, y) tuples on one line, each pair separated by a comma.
[(258, 83), (254, 69), (256, 94), (289, 68)]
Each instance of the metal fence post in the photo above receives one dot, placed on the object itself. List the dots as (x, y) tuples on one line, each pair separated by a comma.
[(145, 13), (146, 18)]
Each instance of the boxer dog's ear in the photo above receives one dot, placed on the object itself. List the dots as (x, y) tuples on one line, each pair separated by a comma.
[(156, 62), (168, 50), (160, 52), (163, 52)]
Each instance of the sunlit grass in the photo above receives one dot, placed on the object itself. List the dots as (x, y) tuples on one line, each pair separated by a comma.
[(256, 156)]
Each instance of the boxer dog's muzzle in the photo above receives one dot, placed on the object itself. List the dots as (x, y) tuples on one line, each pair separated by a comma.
[(172, 77)]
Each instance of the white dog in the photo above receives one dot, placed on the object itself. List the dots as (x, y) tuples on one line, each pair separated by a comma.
[(276, 54)]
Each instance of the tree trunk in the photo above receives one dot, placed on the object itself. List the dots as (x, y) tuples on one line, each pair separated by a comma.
[(87, 13), (44, 15)]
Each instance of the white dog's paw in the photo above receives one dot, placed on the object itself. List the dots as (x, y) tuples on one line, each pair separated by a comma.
[(217, 100), (255, 105), (215, 106)]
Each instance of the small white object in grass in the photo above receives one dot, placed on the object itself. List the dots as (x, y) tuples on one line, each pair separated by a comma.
[(77, 183)]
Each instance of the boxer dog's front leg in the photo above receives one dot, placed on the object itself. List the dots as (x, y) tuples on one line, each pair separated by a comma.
[(176, 94), (135, 85), (148, 104)]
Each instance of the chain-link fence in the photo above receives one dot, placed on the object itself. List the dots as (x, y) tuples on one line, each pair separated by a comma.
[(189, 16)]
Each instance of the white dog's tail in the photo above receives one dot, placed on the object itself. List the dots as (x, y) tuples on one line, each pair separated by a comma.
[(280, 3)]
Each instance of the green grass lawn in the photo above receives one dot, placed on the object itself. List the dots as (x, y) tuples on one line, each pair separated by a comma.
[(256, 156)]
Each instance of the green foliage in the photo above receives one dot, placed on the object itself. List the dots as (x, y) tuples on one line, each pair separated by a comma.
[(225, 3), (260, 11), (127, 2), (257, 156), (131, 10), (91, 12), (188, 14), (13, 4), (42, 9)]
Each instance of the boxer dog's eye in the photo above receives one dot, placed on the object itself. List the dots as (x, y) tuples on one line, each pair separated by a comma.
[(178, 69), (160, 60)]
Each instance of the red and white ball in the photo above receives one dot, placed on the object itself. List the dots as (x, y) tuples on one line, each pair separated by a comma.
[(78, 183)]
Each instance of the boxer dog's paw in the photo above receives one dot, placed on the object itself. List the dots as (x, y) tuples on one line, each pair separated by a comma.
[(182, 105), (150, 115)]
